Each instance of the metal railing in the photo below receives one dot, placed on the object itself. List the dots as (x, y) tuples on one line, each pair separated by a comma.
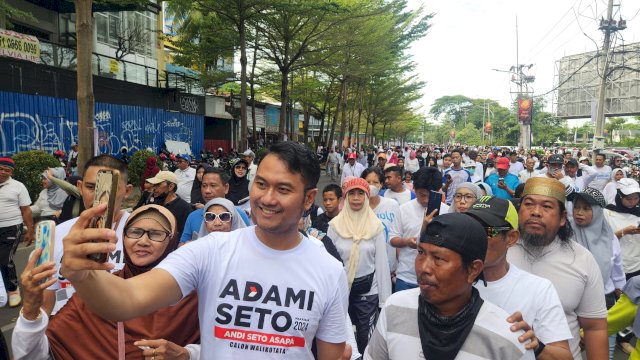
[(65, 58)]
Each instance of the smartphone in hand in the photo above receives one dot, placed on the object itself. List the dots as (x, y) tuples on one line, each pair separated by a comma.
[(45, 231), (104, 193), (435, 200)]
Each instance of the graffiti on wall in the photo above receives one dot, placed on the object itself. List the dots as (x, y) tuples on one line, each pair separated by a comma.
[(26, 126)]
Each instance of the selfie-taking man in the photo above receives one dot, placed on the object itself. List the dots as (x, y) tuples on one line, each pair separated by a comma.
[(257, 299), (445, 318)]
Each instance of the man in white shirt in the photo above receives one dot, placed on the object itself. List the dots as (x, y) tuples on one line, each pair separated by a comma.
[(278, 305), (249, 156), (14, 202), (395, 189), (528, 172), (603, 173), (546, 249), (186, 175), (515, 166), (351, 168), (510, 288)]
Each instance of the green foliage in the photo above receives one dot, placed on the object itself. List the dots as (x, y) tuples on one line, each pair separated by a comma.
[(9, 12), (137, 165), (29, 168), (260, 153)]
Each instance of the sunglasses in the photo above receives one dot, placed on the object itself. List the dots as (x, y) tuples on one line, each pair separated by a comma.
[(494, 231), (153, 235), (240, 167), (211, 217)]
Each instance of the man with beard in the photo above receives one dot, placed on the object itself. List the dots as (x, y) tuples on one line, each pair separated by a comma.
[(546, 249), (453, 321)]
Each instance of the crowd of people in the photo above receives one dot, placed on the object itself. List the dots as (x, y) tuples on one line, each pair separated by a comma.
[(522, 255)]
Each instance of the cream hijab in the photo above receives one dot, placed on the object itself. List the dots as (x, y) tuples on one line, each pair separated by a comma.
[(357, 226)]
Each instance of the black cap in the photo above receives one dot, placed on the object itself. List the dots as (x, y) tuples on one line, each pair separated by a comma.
[(555, 159), (495, 212), (572, 162), (458, 232), (591, 196)]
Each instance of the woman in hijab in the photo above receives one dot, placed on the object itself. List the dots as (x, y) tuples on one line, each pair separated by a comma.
[(196, 192), (359, 236), (466, 194), (238, 184), (150, 170), (610, 190), (220, 215), (51, 199), (624, 217), (394, 158), (591, 230), (75, 332)]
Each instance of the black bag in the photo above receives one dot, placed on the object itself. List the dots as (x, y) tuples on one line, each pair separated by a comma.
[(362, 285)]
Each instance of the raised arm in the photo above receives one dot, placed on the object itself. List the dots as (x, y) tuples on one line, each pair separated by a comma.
[(99, 289)]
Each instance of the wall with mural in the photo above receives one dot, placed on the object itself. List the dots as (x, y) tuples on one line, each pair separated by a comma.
[(29, 122)]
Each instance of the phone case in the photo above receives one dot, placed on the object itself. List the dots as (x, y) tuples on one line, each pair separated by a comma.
[(45, 231), (104, 193)]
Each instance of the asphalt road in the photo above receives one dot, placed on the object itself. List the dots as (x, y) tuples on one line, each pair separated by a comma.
[(8, 315)]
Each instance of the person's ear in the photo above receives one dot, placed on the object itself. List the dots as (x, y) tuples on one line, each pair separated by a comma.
[(512, 237), (474, 269), (310, 197)]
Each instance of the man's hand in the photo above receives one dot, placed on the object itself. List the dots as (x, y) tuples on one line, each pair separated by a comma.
[(519, 324), (502, 185), (82, 241), (410, 242), (29, 237)]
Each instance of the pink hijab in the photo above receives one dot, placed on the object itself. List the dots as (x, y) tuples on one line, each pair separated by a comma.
[(394, 158)]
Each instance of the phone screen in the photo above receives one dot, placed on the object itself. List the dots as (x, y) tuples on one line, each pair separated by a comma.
[(44, 240), (435, 200)]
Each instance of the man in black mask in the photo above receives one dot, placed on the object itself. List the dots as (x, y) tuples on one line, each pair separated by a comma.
[(445, 318)]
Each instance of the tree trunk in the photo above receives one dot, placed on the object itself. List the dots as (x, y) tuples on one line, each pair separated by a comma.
[(360, 105), (293, 123), (343, 110), (284, 84), (86, 99), (328, 120), (333, 126), (252, 90), (242, 33)]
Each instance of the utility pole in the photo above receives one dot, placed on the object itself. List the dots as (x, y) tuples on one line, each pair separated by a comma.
[(609, 26)]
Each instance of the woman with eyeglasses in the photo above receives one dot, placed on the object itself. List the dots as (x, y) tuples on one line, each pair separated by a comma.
[(75, 332), (466, 194), (360, 238), (220, 215), (238, 183)]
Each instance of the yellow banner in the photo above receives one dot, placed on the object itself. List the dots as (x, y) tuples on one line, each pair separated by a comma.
[(19, 46), (113, 66)]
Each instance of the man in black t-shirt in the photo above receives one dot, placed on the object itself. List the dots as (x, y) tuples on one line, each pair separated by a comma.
[(165, 184)]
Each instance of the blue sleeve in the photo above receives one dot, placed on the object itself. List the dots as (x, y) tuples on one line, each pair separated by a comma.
[(444, 177), (413, 195), (468, 175), (244, 216), (192, 224)]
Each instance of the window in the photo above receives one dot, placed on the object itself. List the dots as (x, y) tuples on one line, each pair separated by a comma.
[(102, 28)]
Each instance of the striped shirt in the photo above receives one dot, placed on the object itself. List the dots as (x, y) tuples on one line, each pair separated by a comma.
[(397, 337)]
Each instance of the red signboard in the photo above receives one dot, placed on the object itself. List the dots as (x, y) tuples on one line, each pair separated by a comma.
[(525, 110)]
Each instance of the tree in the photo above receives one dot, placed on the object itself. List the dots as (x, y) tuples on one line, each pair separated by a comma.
[(86, 99), (8, 12), (614, 123)]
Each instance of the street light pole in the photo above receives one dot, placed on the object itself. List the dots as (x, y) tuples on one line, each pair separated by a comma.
[(598, 139)]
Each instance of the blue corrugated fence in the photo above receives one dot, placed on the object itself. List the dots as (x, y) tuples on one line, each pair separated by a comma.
[(29, 122)]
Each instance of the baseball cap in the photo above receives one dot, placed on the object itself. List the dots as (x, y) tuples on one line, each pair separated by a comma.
[(8, 162), (502, 163), (495, 212), (555, 159), (352, 156), (583, 158), (382, 155), (184, 157), (591, 196), (249, 153), (572, 162), (628, 186), (459, 233), (163, 176)]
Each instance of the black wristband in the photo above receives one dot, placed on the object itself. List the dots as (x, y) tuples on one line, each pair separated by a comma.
[(539, 349)]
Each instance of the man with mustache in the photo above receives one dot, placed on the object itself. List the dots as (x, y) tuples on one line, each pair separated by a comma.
[(546, 249), (453, 321)]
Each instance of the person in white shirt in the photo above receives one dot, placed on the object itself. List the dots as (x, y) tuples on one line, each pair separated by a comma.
[(528, 172), (395, 189), (611, 189), (186, 175), (351, 168), (263, 290), (249, 156), (446, 318), (603, 173), (515, 166), (411, 163), (510, 288), (547, 250)]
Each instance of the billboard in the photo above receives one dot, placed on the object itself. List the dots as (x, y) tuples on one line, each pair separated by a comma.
[(525, 110), (577, 79)]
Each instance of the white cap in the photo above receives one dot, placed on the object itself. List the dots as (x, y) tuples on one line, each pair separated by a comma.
[(628, 186)]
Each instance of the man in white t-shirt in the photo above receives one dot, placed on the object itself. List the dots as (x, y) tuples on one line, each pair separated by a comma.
[(351, 168), (395, 189), (59, 293), (265, 292), (603, 173), (446, 318), (528, 172), (412, 218), (249, 156), (515, 166), (186, 175), (546, 249), (510, 288)]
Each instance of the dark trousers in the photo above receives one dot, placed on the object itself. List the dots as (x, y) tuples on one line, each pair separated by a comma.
[(363, 311), (9, 240)]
